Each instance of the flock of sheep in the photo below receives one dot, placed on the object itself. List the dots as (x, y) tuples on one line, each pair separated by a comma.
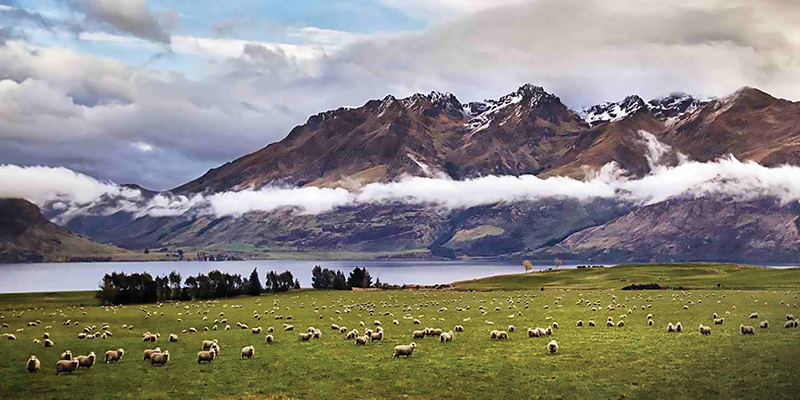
[(210, 349)]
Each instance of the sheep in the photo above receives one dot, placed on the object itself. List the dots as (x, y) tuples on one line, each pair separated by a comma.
[(149, 352), (493, 334), (579, 324), (207, 344), (620, 324), (352, 334), (670, 327), (86, 361), (248, 352), (343, 329), (753, 315), (362, 340), (532, 333), (288, 328), (334, 327), (610, 324), (206, 356), (304, 337), (789, 317), (704, 330), (113, 355), (149, 338), (67, 355), (555, 325), (591, 323), (376, 336), (47, 335), (511, 328), (255, 331), (788, 324), (446, 336), (678, 327), (501, 335), (317, 334), (649, 316), (764, 324), (404, 350), (66, 366), (47, 342), (270, 339), (227, 327), (33, 364), (459, 328), (159, 358), (649, 322), (418, 335), (552, 347), (173, 337), (417, 322), (719, 321), (747, 329), (82, 335), (396, 322), (376, 323)]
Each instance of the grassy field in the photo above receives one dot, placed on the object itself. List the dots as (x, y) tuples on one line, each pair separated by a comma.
[(635, 361)]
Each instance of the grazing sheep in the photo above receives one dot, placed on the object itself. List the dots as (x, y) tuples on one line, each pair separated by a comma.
[(47, 342), (789, 317), (288, 328), (255, 331), (620, 324), (362, 340), (270, 339), (501, 335), (352, 334), (396, 322), (678, 327), (670, 327), (747, 329), (511, 328), (459, 328), (206, 356), (159, 358), (304, 336), (149, 338), (704, 330), (649, 322), (149, 352), (719, 321), (764, 324), (418, 335), (446, 336), (334, 327), (552, 347), (173, 337), (317, 334), (532, 333), (47, 335), (649, 316), (82, 335), (86, 361), (343, 329), (591, 323), (113, 355), (555, 325), (610, 324), (788, 324), (33, 364), (227, 327), (753, 315), (377, 323), (377, 336), (66, 366), (579, 324), (67, 355), (417, 322), (493, 334), (248, 351), (270, 330), (548, 331), (404, 350), (207, 344), (715, 316)]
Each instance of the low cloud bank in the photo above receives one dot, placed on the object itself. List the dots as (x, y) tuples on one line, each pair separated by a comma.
[(71, 194)]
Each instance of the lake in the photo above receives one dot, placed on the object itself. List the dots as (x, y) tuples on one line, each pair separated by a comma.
[(51, 277)]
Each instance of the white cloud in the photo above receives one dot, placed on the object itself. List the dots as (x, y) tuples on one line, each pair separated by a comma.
[(142, 146)]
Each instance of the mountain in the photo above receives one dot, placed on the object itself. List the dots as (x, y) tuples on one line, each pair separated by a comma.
[(528, 131), (26, 236)]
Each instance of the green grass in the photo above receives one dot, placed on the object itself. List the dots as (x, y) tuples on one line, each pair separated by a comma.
[(636, 361)]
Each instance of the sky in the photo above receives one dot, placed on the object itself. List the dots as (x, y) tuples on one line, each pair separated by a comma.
[(157, 92)]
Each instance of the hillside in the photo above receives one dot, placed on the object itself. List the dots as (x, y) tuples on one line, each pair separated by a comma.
[(26, 236)]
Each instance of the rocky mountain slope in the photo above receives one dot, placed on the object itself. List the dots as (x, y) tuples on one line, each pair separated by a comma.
[(528, 131), (26, 236)]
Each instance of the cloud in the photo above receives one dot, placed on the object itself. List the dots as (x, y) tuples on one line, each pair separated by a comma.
[(130, 16)]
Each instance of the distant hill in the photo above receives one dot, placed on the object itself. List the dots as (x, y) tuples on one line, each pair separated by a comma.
[(26, 236)]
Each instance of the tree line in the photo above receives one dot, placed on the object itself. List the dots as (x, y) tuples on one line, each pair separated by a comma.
[(122, 288), (324, 278)]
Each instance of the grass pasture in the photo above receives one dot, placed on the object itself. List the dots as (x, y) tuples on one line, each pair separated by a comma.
[(636, 361)]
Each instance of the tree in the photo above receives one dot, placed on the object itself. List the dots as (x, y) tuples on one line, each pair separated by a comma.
[(528, 265), (360, 278), (254, 287), (175, 282), (340, 282), (316, 277), (378, 282), (297, 283)]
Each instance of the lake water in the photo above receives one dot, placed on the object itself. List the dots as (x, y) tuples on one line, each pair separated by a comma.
[(16, 278)]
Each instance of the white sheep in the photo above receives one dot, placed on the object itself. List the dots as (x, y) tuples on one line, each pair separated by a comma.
[(764, 324), (207, 344), (704, 330), (501, 335), (753, 315), (459, 328), (248, 351), (173, 337), (149, 352), (579, 324), (48, 343), (649, 322), (747, 329), (591, 323), (446, 336), (113, 355), (206, 356), (66, 366), (670, 327), (620, 324), (552, 347), (159, 358), (511, 328), (362, 340), (418, 335), (678, 327), (86, 361), (33, 364), (67, 355), (404, 350), (256, 330), (719, 321), (788, 324), (270, 339), (304, 336)]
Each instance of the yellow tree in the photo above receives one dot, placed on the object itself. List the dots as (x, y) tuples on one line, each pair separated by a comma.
[(528, 265)]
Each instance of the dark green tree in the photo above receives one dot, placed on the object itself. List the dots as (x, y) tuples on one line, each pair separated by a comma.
[(254, 287)]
